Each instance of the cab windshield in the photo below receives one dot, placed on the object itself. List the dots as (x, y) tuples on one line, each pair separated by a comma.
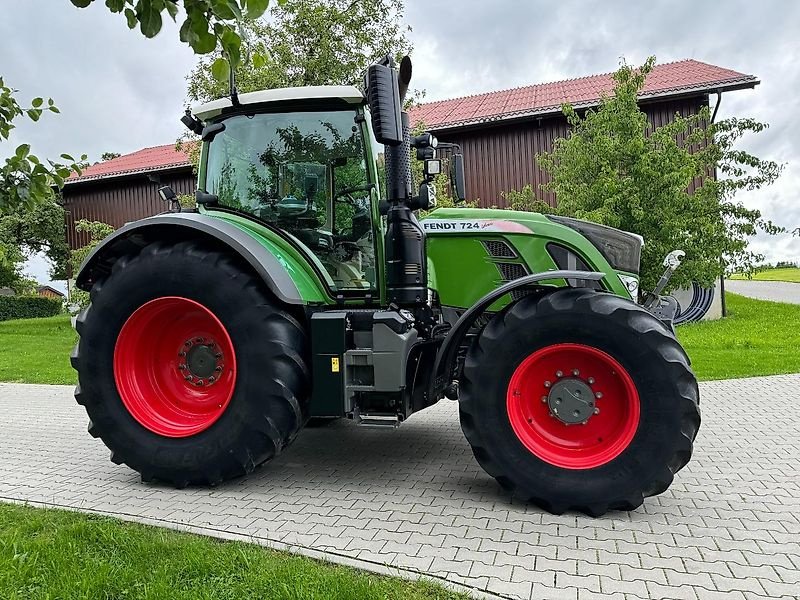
[(305, 173)]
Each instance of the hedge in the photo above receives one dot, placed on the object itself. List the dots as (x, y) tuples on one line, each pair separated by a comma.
[(28, 307)]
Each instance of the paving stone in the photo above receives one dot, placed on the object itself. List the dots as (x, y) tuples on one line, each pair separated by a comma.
[(415, 499)]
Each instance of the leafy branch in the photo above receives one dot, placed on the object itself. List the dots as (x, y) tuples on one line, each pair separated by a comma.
[(207, 24), (25, 179)]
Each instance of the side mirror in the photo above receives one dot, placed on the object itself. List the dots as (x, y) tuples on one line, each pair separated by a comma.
[(210, 131), (167, 193), (169, 196), (383, 95), (457, 177)]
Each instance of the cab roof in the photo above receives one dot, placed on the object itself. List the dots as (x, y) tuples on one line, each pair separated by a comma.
[(347, 93)]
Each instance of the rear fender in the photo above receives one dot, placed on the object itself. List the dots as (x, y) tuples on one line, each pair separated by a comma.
[(178, 227)]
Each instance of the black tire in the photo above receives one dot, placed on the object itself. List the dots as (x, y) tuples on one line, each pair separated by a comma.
[(667, 389), (269, 403)]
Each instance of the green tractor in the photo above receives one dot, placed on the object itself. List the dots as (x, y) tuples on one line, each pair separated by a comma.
[(303, 286)]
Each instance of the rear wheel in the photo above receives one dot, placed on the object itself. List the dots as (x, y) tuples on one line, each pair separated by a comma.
[(189, 371), (579, 400)]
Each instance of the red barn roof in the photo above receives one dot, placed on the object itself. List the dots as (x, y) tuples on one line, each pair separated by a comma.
[(157, 158), (683, 77), (677, 78)]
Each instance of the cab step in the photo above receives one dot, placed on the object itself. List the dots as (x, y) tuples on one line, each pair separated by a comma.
[(377, 420)]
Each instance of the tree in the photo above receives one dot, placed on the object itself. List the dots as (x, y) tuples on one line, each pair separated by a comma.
[(208, 24), (308, 42), (25, 180), (109, 156), (614, 169), (24, 232), (97, 231)]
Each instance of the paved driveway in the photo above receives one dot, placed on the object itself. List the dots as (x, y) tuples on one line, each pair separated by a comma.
[(777, 291), (415, 499)]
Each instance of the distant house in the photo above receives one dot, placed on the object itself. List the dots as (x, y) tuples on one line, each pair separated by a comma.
[(48, 292), (500, 134)]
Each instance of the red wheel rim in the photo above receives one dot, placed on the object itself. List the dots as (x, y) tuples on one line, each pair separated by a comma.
[(614, 406), (174, 366)]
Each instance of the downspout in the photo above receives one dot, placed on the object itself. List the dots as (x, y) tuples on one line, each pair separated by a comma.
[(722, 276), (716, 106)]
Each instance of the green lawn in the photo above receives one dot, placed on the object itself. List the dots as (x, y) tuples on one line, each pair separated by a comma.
[(757, 338), (791, 274), (37, 350), (50, 554)]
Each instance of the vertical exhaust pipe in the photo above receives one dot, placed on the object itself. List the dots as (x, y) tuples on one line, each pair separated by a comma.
[(406, 261), (398, 158)]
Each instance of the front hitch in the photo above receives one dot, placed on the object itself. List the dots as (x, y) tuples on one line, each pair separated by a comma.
[(665, 308)]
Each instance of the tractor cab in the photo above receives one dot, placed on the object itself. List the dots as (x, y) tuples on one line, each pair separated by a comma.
[(307, 171)]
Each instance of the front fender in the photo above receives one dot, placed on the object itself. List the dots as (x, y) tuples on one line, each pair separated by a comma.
[(176, 227), (448, 351)]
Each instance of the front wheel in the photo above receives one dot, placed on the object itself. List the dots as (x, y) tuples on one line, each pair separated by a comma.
[(579, 400), (189, 371)]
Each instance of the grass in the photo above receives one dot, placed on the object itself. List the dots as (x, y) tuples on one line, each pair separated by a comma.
[(37, 350), (791, 274), (757, 338), (47, 553)]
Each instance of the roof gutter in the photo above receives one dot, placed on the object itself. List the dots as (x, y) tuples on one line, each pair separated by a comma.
[(127, 174)]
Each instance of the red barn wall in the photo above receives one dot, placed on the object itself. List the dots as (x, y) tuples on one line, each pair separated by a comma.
[(499, 158), (119, 200)]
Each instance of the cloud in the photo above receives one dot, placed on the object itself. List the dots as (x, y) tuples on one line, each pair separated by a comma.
[(121, 92), (476, 46)]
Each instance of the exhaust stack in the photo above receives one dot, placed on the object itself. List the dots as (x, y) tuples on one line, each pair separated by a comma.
[(406, 260)]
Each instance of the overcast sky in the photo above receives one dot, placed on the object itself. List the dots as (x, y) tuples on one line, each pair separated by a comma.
[(120, 92)]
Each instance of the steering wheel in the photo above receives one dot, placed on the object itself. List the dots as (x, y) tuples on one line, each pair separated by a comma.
[(352, 190)]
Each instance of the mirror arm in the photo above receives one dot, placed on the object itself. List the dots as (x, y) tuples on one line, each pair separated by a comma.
[(450, 146)]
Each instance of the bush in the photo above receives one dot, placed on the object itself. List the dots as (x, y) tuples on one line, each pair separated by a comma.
[(97, 231), (614, 168), (28, 307)]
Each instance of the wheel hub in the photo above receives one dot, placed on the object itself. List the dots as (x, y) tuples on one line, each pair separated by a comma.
[(573, 405), (201, 360), (571, 401), (174, 366)]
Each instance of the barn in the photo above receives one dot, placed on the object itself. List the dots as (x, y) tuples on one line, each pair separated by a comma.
[(125, 188), (499, 132)]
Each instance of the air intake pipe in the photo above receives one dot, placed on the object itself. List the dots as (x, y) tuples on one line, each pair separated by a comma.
[(406, 260)]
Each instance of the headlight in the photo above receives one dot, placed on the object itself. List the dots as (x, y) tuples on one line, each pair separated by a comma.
[(622, 250), (631, 284)]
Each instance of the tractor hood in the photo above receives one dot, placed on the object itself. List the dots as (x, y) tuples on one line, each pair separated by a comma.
[(621, 249)]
